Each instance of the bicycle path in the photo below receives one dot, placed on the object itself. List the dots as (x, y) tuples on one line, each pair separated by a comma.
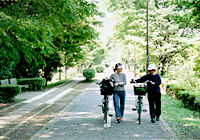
[(83, 120)]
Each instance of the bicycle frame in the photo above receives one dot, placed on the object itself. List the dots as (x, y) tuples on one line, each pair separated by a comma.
[(105, 106), (139, 105)]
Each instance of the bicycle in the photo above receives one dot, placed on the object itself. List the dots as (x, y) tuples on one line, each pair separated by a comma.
[(106, 89), (140, 91)]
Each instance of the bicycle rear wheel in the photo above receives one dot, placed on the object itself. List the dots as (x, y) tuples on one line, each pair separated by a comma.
[(139, 117), (139, 109)]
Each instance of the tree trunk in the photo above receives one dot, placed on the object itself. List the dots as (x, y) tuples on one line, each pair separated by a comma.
[(59, 73)]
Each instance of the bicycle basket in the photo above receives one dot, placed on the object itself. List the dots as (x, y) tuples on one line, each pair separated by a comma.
[(106, 91), (140, 89), (106, 88)]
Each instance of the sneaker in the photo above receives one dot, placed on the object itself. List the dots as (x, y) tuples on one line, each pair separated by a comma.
[(121, 119), (158, 119), (153, 120), (118, 120)]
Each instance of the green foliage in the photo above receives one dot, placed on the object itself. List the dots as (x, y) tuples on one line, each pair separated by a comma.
[(99, 69), (184, 122), (52, 62), (106, 65), (197, 61), (89, 73), (196, 11), (93, 54), (194, 6), (99, 55), (8, 92), (171, 28), (34, 84), (188, 96), (39, 36)]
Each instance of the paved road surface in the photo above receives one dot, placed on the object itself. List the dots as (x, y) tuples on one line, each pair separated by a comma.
[(83, 120)]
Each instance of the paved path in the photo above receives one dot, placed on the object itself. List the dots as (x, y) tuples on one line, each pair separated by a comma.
[(18, 119), (35, 100), (83, 120)]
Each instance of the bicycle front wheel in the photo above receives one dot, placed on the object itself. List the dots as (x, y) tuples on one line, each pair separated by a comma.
[(106, 110)]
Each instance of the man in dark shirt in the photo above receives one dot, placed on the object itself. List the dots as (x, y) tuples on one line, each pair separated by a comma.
[(153, 89)]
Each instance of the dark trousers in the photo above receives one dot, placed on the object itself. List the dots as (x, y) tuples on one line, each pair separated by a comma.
[(154, 104)]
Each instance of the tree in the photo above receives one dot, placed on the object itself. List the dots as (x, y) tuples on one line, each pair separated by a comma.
[(197, 60), (170, 28), (33, 31)]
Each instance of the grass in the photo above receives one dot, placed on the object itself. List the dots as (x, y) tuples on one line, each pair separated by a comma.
[(184, 122), (57, 83)]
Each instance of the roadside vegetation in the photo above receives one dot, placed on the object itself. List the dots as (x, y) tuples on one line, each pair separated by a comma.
[(46, 35), (183, 121), (37, 38)]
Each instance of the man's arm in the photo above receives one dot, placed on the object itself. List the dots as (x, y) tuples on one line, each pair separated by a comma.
[(142, 79)]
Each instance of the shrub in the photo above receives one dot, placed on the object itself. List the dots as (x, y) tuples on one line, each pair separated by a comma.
[(197, 102), (106, 65), (33, 83), (99, 69), (8, 92), (189, 97), (89, 73)]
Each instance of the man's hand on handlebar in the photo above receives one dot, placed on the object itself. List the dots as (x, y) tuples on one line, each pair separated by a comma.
[(151, 82), (116, 84), (98, 83)]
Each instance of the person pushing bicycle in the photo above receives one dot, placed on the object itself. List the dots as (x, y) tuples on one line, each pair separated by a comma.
[(153, 89), (119, 80)]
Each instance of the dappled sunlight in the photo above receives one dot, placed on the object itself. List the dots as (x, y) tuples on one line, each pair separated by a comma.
[(187, 125), (5, 119), (190, 122), (91, 126), (96, 129), (86, 124), (48, 135), (191, 119), (2, 137), (137, 135), (78, 115), (91, 89)]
